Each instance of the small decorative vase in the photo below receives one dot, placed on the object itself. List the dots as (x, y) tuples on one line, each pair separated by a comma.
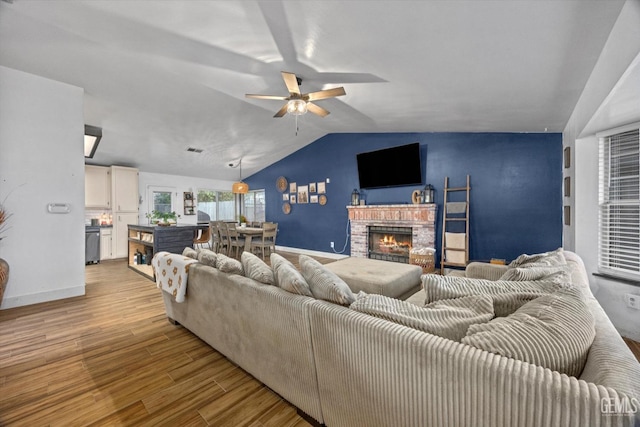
[(4, 276)]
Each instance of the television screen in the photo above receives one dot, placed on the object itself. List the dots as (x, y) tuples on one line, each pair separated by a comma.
[(390, 167)]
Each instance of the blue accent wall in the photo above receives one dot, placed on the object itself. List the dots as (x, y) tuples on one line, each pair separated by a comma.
[(516, 188)]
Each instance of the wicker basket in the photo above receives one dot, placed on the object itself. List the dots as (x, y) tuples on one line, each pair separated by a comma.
[(427, 262)]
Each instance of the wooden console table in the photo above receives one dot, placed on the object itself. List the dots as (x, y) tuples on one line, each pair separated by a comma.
[(151, 239)]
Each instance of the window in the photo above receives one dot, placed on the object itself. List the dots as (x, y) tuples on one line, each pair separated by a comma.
[(215, 205), (161, 199), (254, 205), (619, 203)]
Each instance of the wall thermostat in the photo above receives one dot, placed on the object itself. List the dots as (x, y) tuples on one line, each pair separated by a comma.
[(59, 208)]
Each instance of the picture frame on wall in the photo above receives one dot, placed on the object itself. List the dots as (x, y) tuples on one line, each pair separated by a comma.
[(293, 187), (303, 194), (292, 199), (312, 187), (321, 188), (285, 197), (313, 198)]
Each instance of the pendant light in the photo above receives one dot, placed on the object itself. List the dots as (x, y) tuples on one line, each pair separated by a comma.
[(240, 187)]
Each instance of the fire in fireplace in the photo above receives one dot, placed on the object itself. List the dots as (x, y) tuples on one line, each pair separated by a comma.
[(389, 243)]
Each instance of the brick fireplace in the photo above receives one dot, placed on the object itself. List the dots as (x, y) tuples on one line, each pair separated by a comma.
[(421, 218)]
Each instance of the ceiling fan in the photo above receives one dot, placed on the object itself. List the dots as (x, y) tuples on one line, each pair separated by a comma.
[(299, 103)]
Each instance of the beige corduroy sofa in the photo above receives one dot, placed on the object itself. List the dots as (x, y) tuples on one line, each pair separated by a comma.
[(346, 368)]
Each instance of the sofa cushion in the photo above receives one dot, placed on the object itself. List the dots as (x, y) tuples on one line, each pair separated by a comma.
[(207, 257), (287, 277), (417, 298), (554, 331), (542, 259), (325, 284), (190, 252), (507, 296), (228, 265), (446, 318), (560, 274), (256, 269)]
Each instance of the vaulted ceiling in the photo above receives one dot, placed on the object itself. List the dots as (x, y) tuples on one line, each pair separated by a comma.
[(162, 76)]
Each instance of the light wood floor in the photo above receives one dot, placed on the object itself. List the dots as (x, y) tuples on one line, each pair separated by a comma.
[(111, 358)]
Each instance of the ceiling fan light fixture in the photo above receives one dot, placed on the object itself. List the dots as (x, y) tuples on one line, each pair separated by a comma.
[(297, 107)]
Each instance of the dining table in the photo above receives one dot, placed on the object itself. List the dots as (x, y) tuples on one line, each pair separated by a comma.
[(248, 233)]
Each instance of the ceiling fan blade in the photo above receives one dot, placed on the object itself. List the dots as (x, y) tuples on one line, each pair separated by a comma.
[(316, 109), (324, 94), (281, 112), (291, 81), (277, 97)]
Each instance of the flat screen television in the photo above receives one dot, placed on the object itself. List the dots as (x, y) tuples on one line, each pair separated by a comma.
[(390, 167)]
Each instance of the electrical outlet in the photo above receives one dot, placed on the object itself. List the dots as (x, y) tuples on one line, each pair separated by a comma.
[(633, 301), (331, 245)]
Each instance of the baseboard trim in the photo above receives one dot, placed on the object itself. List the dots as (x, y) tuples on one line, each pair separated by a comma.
[(308, 418), (30, 299), (311, 253)]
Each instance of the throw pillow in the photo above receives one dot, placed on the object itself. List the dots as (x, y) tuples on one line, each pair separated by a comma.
[(207, 257), (190, 252), (507, 296), (228, 265), (445, 318), (543, 259), (324, 284), (554, 331), (287, 277), (256, 269), (558, 274)]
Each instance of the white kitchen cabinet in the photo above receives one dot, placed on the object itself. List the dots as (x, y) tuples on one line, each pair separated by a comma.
[(106, 247), (120, 237), (97, 187), (124, 189)]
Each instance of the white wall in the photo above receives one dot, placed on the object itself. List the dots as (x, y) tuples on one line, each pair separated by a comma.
[(178, 184), (617, 57), (41, 161)]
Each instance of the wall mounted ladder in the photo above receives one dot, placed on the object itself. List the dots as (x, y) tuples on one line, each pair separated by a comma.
[(455, 219)]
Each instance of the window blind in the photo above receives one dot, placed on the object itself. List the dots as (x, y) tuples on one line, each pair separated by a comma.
[(619, 202)]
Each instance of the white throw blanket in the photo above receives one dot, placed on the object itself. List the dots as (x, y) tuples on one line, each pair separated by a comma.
[(172, 272)]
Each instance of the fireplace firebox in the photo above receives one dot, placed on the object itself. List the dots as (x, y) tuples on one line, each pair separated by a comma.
[(389, 243)]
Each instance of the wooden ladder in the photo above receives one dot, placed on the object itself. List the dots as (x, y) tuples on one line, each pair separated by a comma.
[(451, 209)]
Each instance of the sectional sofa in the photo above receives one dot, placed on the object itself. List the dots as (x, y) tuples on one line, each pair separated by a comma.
[(342, 367)]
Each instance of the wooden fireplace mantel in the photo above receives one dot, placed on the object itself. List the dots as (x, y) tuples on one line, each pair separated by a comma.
[(406, 212)]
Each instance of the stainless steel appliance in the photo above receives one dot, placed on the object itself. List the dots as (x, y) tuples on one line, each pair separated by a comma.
[(92, 245)]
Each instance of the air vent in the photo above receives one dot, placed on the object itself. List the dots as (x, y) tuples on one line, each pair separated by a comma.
[(194, 150)]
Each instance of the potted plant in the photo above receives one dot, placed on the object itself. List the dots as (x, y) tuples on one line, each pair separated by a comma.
[(243, 220), (163, 218)]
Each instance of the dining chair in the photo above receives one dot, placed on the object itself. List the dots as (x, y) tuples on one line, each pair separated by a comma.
[(225, 246), (215, 236), (203, 237), (236, 243), (268, 240)]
